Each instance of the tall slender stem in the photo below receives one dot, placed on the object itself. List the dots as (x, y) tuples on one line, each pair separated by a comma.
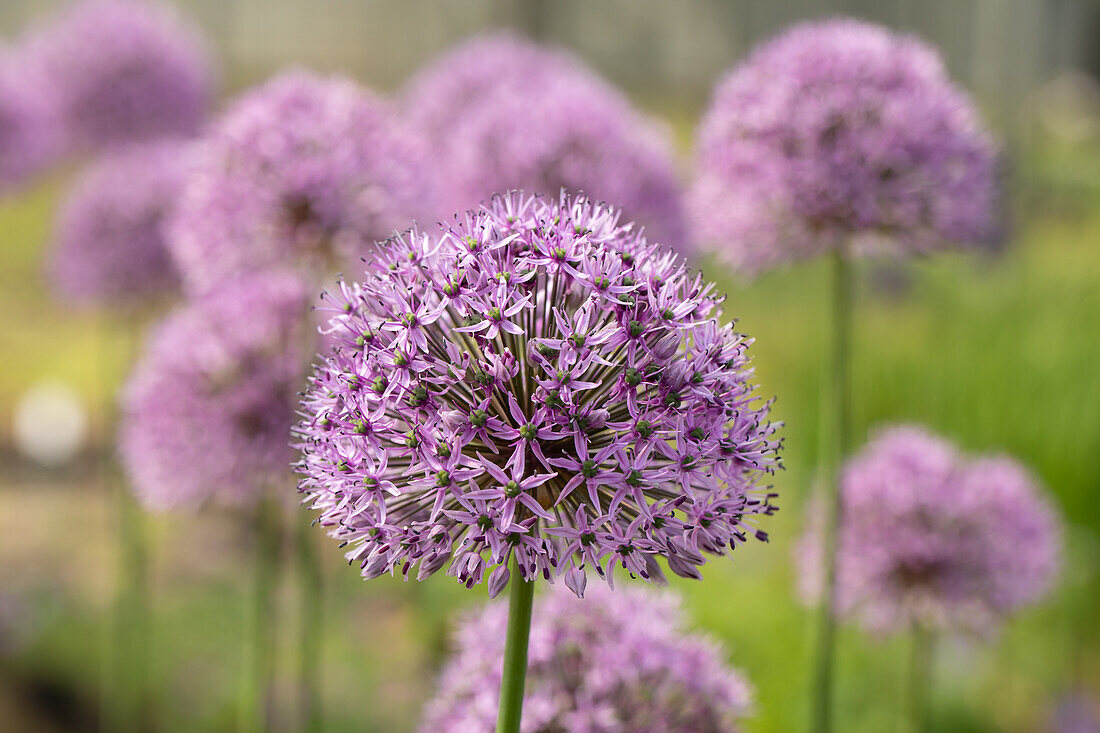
[(131, 631), (310, 590), (515, 651), (256, 705), (129, 704), (834, 445), (920, 678)]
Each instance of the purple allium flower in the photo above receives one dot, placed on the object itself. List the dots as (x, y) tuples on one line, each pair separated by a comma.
[(615, 662), (1075, 712), (306, 167), (28, 126), (536, 380), (840, 132), (932, 538), (124, 72), (208, 408), (503, 113), (110, 240)]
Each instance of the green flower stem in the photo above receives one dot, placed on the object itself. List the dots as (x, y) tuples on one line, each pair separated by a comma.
[(256, 704), (311, 590), (920, 678), (131, 616), (129, 704), (515, 652), (835, 427)]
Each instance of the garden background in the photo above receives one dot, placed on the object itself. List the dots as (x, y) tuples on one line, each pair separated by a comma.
[(998, 350)]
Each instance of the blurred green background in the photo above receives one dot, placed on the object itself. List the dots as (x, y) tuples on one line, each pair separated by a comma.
[(998, 350)]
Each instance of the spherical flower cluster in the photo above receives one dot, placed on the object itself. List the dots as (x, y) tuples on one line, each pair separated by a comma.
[(535, 381), (840, 134), (503, 113), (124, 72), (617, 662), (934, 539), (28, 127), (304, 167), (207, 411), (110, 240)]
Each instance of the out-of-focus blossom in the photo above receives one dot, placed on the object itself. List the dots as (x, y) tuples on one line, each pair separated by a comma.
[(1075, 712), (307, 169), (840, 134), (615, 662), (503, 113), (110, 242), (28, 125), (124, 72), (932, 538), (208, 409), (536, 381), (50, 424)]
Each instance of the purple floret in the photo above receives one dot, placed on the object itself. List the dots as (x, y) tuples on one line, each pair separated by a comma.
[(536, 380), (841, 134), (936, 539), (615, 662), (306, 169), (503, 113), (124, 72), (208, 408), (110, 243)]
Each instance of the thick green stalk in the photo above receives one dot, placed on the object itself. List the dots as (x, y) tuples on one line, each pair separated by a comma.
[(310, 589), (256, 703), (920, 678), (834, 445), (515, 652)]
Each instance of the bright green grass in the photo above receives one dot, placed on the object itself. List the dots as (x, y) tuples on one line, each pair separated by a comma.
[(998, 353)]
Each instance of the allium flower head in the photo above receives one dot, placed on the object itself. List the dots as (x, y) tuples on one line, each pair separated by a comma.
[(617, 662), (28, 126), (208, 408), (933, 538), (305, 167), (836, 134), (504, 113), (539, 381), (110, 241), (1075, 712), (124, 72)]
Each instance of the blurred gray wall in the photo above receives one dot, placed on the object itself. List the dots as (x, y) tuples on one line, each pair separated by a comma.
[(667, 53)]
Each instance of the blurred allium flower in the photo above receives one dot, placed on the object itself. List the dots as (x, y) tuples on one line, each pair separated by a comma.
[(28, 129), (306, 167), (124, 72), (538, 380), (1075, 712), (839, 132), (504, 113), (209, 407), (615, 662), (933, 538), (110, 240)]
